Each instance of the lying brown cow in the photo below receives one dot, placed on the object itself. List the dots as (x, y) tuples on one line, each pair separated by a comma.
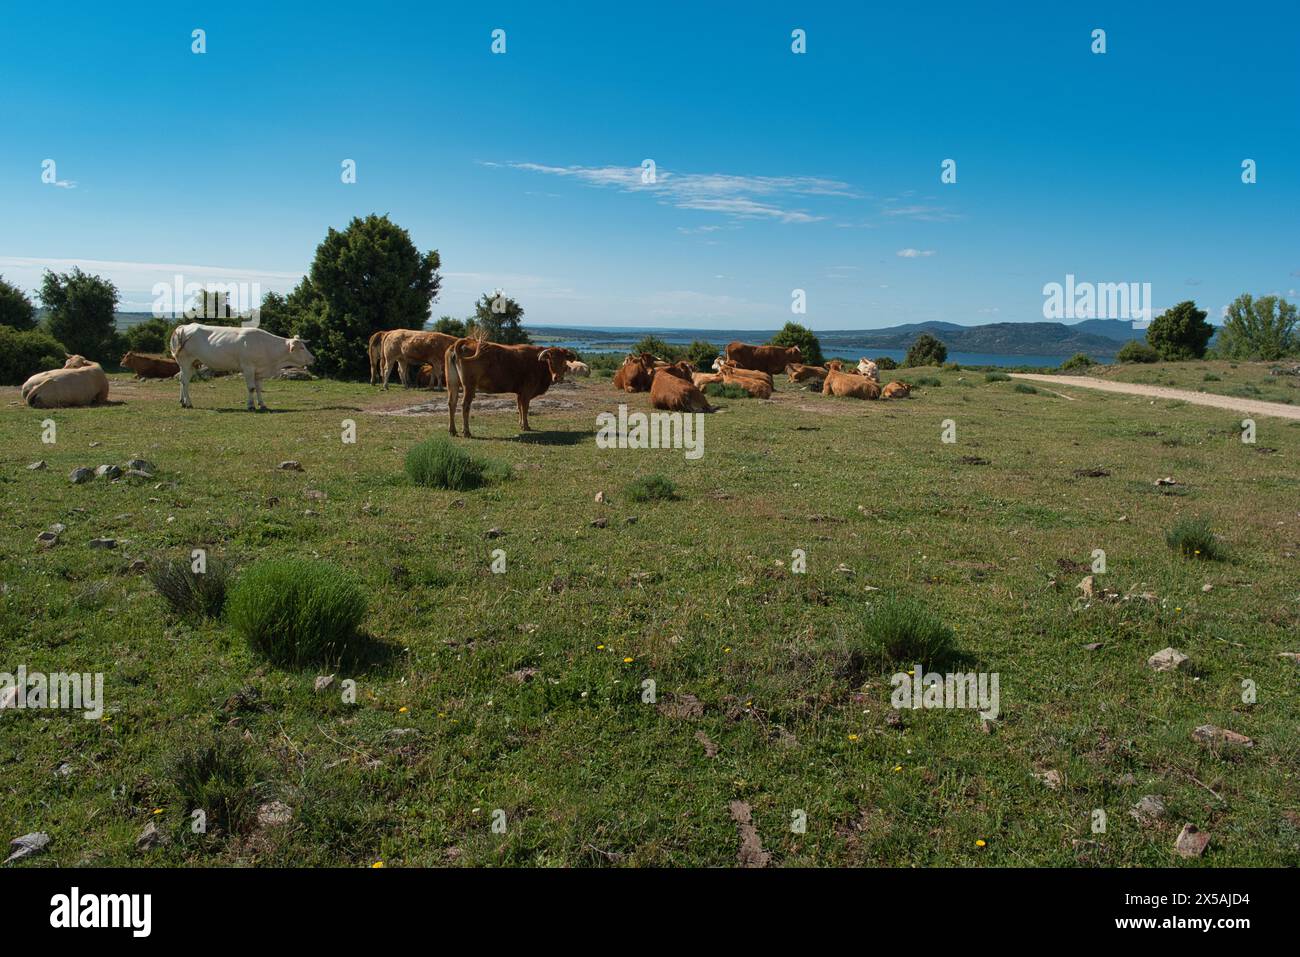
[(769, 359), (798, 372), (669, 390), (406, 348), (477, 366), (147, 366), (701, 379), (849, 384), (635, 374), (896, 390), (79, 382)]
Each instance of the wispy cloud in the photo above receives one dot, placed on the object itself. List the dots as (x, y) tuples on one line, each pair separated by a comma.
[(734, 196), (921, 213), (910, 253)]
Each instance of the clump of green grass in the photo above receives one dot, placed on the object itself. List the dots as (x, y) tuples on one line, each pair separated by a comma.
[(996, 377), (1192, 538), (297, 612), (724, 390), (1024, 387), (904, 632), (923, 380), (215, 774), (1211, 377), (190, 595), (440, 463), (650, 488)]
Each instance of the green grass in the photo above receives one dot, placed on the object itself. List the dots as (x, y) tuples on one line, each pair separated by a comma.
[(298, 612), (996, 377), (512, 690), (1192, 538), (1248, 380), (440, 463), (725, 390), (189, 593), (1025, 388), (650, 488)]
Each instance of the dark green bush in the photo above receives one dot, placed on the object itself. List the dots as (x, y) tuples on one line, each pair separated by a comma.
[(996, 377), (905, 633), (886, 364), (1024, 387), (23, 354), (926, 351), (297, 612), (1134, 351), (1080, 360), (793, 334), (701, 354)]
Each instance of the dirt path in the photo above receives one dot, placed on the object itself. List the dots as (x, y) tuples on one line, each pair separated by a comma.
[(1251, 406)]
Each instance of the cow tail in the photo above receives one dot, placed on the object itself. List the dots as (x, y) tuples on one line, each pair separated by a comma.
[(177, 342), (451, 368)]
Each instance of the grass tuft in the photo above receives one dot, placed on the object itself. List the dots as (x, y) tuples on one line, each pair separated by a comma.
[(725, 390), (1192, 538), (651, 488), (996, 377), (216, 774), (1024, 387), (190, 595), (440, 463), (904, 632), (297, 612)]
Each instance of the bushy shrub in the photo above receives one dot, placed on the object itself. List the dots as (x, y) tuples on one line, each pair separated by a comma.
[(191, 595), (650, 488), (996, 377), (659, 348), (297, 612), (1080, 360), (793, 334), (215, 774), (23, 354), (1024, 387), (1134, 351), (701, 354), (926, 351), (440, 463), (904, 632), (1192, 538), (886, 364), (152, 335)]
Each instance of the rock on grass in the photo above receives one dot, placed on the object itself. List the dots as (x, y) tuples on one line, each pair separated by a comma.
[(1168, 659)]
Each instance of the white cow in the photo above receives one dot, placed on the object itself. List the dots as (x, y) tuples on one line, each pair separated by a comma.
[(578, 368), (869, 369), (254, 352), (79, 382)]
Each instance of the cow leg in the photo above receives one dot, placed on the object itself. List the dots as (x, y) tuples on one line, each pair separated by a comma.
[(186, 371), (469, 397), (257, 383), (523, 412), (404, 373), (250, 380)]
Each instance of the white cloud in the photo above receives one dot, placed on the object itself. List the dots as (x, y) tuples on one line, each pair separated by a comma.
[(739, 197), (920, 213), (910, 253)]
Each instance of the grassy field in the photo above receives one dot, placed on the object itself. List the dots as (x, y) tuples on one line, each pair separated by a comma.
[(522, 692), (1245, 380)]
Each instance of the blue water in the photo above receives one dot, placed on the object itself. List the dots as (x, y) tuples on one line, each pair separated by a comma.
[(621, 340)]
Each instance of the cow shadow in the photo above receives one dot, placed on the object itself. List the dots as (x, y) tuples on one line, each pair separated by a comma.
[(315, 408), (558, 437)]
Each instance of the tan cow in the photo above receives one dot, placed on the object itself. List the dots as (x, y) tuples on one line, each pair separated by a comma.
[(79, 382), (406, 347), (579, 369), (896, 390), (798, 372), (669, 390), (851, 385)]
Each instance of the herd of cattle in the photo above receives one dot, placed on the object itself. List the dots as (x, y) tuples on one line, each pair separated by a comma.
[(465, 366)]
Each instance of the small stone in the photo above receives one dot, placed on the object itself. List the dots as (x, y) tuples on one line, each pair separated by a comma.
[(103, 543), (524, 675), (1148, 810), (1086, 586), (322, 682), (141, 465), (28, 845), (79, 475), (1167, 659), (274, 814), (108, 471), (314, 495), (600, 498), (150, 838), (1191, 841), (1094, 646), (1212, 736), (138, 473), (137, 565), (1207, 587), (48, 539), (494, 533), (290, 466), (601, 522), (36, 466), (1052, 779)]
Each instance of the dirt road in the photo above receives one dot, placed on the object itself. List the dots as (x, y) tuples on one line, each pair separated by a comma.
[(1249, 406)]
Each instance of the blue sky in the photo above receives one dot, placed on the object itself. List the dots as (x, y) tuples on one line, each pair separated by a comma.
[(775, 171)]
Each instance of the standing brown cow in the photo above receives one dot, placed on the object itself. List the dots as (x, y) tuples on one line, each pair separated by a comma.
[(478, 366), (406, 348), (769, 359)]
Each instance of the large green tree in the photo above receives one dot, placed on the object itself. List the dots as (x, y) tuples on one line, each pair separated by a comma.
[(500, 319), (81, 308), (926, 351), (793, 334), (451, 326), (1180, 332), (367, 277), (16, 310), (1263, 328)]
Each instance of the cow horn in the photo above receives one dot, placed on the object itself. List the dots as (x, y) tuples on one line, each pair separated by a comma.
[(542, 355)]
